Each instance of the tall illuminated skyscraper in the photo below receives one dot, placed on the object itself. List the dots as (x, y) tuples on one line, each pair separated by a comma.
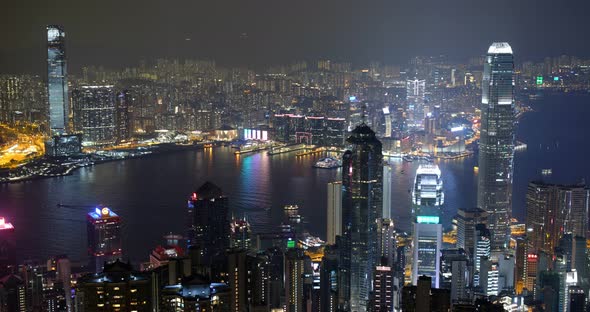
[(362, 205), (496, 144), (57, 80)]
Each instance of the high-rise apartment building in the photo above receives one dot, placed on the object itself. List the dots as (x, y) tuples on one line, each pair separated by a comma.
[(496, 145), (362, 184), (383, 291), (95, 114), (334, 216), (295, 269), (386, 241)]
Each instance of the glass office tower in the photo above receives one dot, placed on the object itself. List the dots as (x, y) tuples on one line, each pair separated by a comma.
[(362, 205), (496, 145), (57, 83), (427, 245)]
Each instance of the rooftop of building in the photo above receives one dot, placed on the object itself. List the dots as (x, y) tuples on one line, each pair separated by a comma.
[(102, 213), (541, 183), (115, 272), (207, 191), (10, 280), (362, 134), (164, 253), (500, 48), (428, 170)]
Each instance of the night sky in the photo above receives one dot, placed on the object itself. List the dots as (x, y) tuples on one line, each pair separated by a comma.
[(118, 33)]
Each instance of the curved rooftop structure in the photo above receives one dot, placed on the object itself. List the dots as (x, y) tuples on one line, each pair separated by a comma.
[(500, 48), (207, 191), (428, 186), (362, 134)]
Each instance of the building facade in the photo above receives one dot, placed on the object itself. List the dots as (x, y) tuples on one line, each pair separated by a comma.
[(553, 210), (427, 252), (95, 114)]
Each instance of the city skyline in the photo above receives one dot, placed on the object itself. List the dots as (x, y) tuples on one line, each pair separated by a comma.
[(215, 31), (201, 168)]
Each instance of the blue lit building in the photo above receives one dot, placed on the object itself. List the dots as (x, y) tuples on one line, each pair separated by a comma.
[(57, 82)]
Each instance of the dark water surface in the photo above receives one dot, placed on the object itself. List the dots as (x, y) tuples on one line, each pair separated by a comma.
[(150, 193)]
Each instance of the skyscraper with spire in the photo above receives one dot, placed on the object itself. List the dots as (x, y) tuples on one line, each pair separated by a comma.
[(496, 144), (362, 187)]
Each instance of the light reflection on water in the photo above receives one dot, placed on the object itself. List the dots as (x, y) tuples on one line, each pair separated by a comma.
[(150, 193)]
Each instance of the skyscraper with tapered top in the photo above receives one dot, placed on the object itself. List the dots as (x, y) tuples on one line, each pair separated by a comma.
[(362, 187), (496, 144)]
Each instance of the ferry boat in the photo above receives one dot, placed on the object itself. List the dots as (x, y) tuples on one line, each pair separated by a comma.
[(328, 163)]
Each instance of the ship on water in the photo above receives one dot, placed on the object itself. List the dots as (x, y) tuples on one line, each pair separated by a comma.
[(328, 163)]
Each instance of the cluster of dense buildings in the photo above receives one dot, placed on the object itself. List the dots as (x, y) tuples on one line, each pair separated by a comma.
[(427, 103), (366, 264)]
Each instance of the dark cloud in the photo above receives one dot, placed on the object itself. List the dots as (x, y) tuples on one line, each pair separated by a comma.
[(118, 33)]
